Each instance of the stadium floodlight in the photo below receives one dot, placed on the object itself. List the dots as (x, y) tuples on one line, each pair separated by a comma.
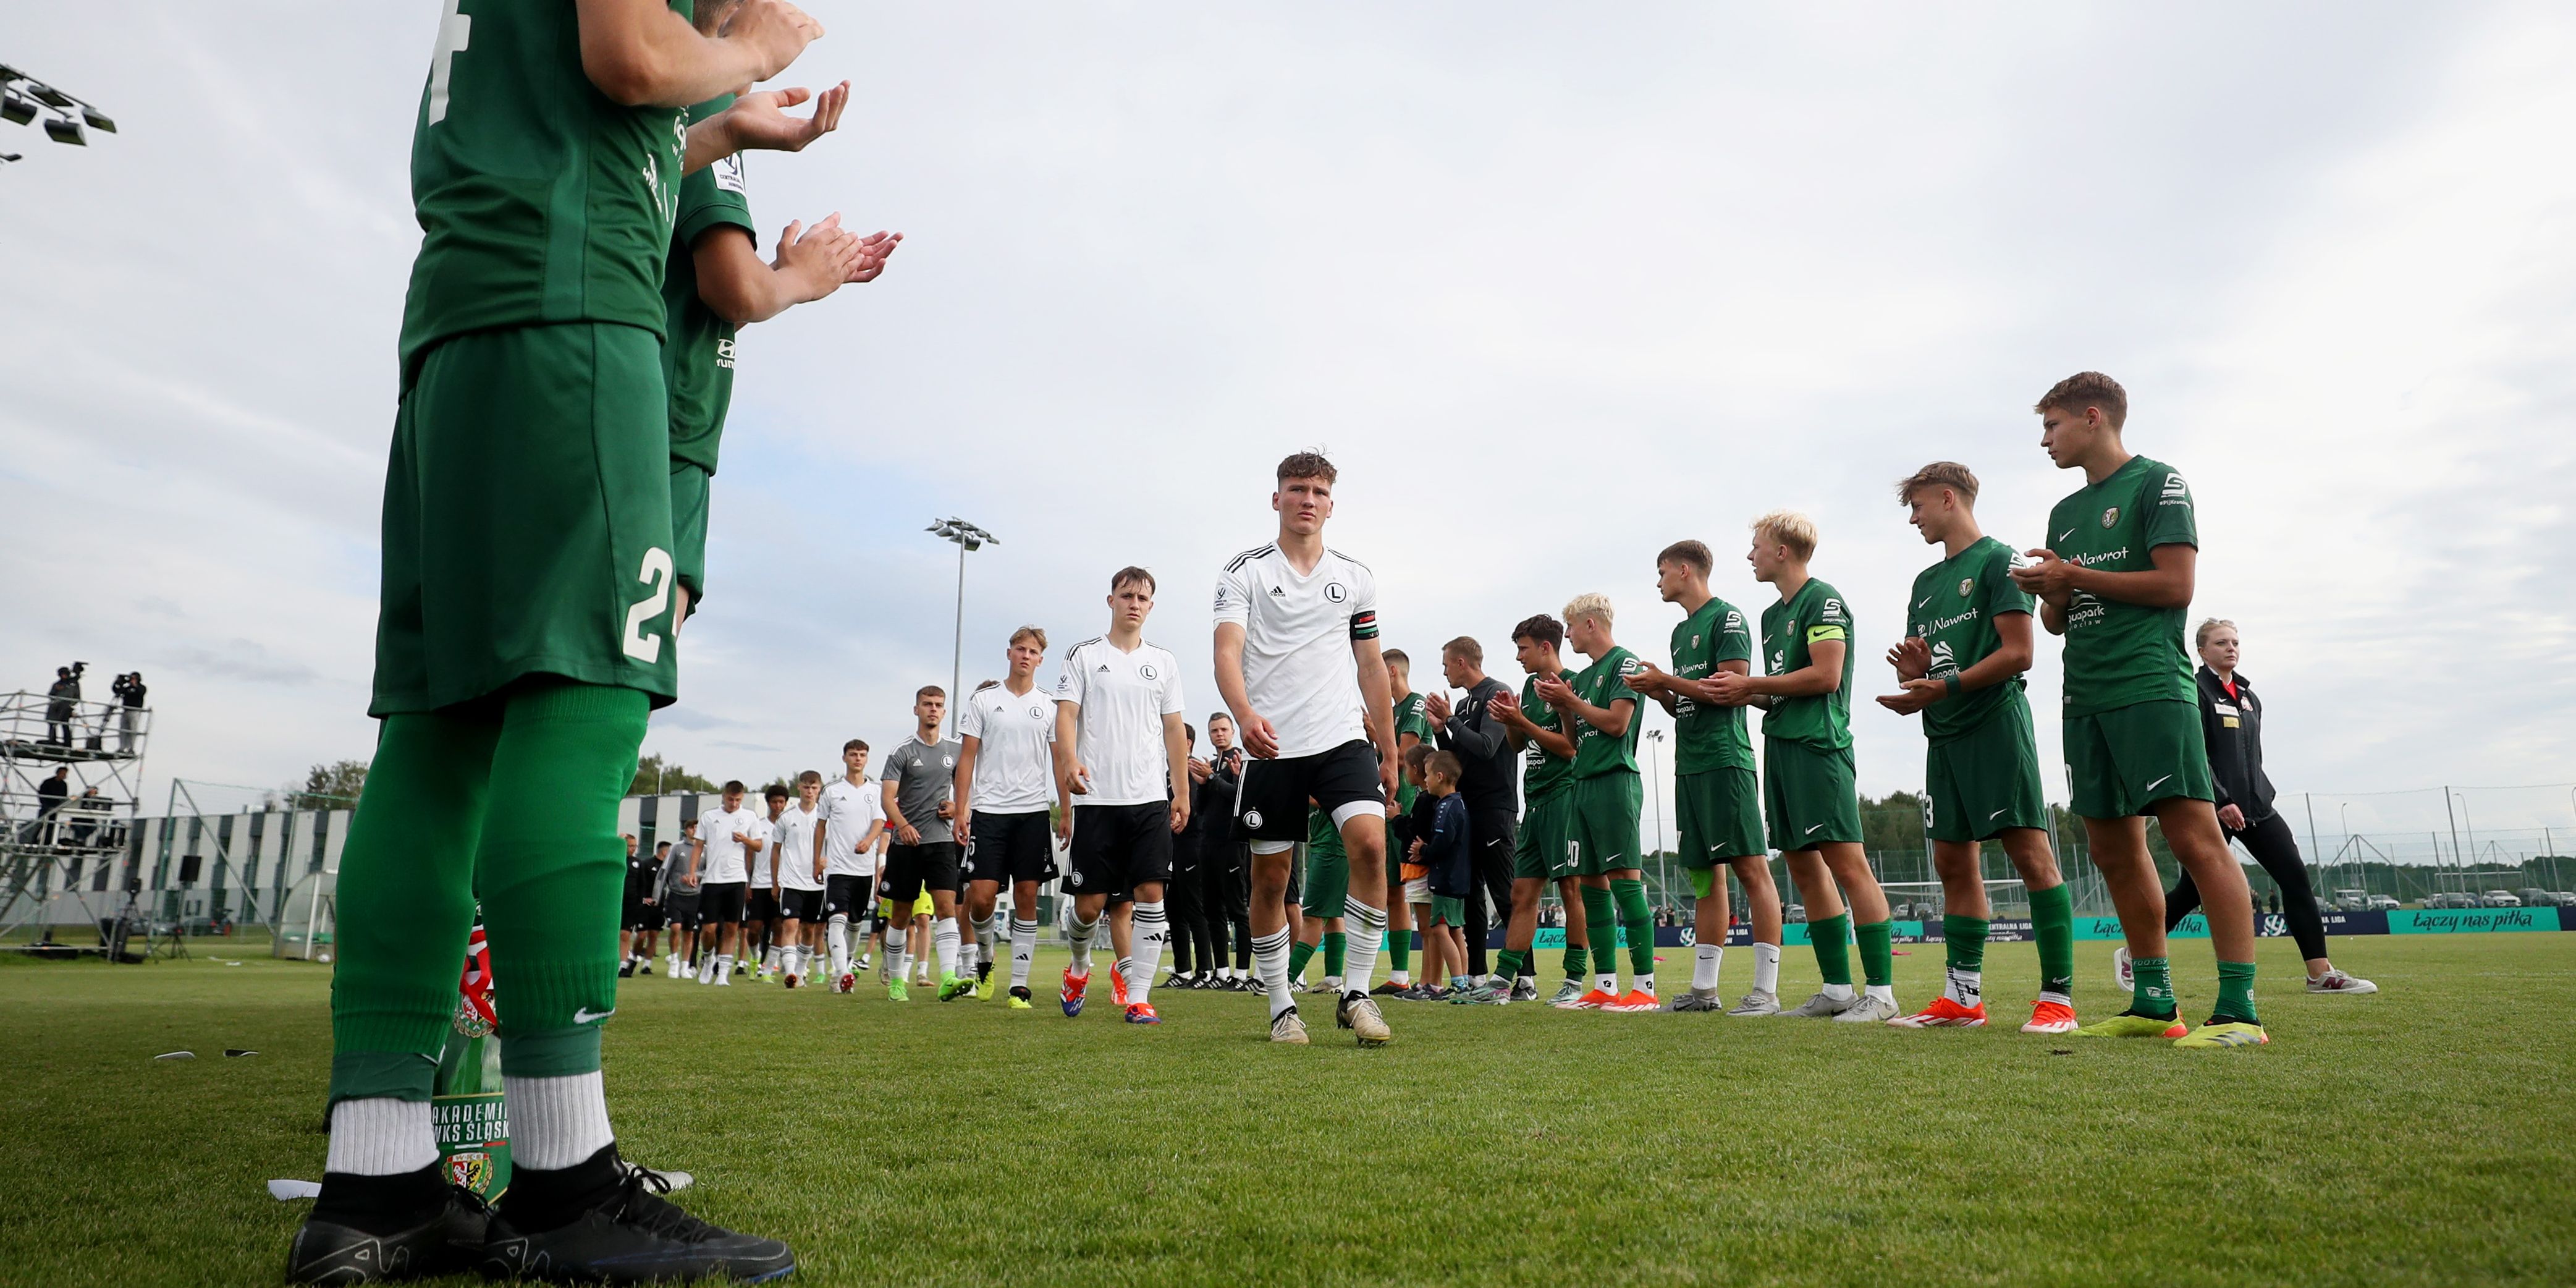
[(97, 119), (51, 97), (18, 108), (967, 537), (61, 131)]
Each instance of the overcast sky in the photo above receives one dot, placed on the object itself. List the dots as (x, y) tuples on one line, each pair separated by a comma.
[(1553, 286)]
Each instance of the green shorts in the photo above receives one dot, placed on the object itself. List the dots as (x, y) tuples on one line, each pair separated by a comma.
[(1985, 780), (689, 488), (1328, 883), (1446, 911), (1602, 821), (1720, 815), (527, 518), (1543, 849), (2120, 761), (1807, 795)]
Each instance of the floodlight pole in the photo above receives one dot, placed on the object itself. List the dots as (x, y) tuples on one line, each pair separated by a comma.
[(967, 537)]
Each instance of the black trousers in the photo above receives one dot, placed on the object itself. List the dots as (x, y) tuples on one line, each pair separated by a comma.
[(1226, 900), (1489, 877), (1182, 901), (2277, 849)]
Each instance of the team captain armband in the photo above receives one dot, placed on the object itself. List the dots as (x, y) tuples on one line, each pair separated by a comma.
[(1824, 631), (1364, 625)]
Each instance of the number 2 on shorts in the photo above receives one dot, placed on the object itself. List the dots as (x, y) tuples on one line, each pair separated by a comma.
[(656, 572)]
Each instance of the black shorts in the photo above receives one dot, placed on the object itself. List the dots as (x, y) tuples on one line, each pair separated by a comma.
[(849, 897), (1117, 848), (909, 869), (761, 905), (642, 916), (800, 905), (683, 907), (1270, 803), (1009, 848), (721, 902)]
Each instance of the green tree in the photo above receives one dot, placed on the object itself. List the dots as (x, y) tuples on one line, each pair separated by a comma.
[(332, 786), (655, 776)]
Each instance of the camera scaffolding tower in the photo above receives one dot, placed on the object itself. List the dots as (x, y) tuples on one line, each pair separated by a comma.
[(52, 844)]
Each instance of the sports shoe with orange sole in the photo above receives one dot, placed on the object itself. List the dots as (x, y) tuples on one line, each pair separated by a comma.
[(2050, 1017), (1118, 986), (1142, 1013), (1943, 1014), (1592, 1001), (1071, 994), (1637, 999)]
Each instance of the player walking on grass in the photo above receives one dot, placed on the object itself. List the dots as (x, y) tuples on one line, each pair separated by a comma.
[(2116, 581), (1717, 801), (1604, 805), (919, 780), (1005, 777), (1808, 796), (1412, 727), (720, 861), (1967, 642), (524, 631), (1122, 756), (853, 812), (799, 875), (759, 954), (1298, 663), (1542, 850)]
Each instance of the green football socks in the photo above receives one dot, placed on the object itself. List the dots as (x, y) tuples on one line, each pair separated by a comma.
[(1877, 955), (1298, 956), (1640, 924), (1399, 950), (1576, 956), (554, 759), (1963, 942), (2052, 923), (2235, 994), (1337, 945), (1833, 953), (2153, 994), (1508, 967), (1601, 924)]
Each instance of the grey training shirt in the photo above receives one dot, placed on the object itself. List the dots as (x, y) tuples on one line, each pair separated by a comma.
[(925, 776)]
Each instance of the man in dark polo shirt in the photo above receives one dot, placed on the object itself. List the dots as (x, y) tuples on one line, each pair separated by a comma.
[(1491, 789)]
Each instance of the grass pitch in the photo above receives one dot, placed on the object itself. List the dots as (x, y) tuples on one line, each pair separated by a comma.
[(2424, 1135)]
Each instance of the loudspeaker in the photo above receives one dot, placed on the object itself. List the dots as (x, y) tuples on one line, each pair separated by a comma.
[(191, 866)]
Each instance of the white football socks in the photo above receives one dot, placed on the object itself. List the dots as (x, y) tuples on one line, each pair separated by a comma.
[(1367, 930), (1270, 962), (1766, 969), (943, 942), (1152, 929), (836, 939), (556, 1122), (1840, 992), (1024, 950), (1704, 967), (1966, 987), (1883, 992), (380, 1136), (1078, 938)]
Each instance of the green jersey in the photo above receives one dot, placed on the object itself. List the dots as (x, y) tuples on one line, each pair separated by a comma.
[(1706, 737), (1543, 774), (1322, 838), (1602, 683), (539, 200), (1953, 610), (1410, 720), (1789, 629), (697, 347), (2121, 654)]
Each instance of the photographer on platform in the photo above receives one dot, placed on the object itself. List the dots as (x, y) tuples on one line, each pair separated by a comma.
[(59, 702), (128, 689)]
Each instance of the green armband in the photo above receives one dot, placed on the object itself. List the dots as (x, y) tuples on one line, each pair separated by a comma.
[(1950, 685)]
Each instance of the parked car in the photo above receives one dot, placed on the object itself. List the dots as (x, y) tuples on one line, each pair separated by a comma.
[(2350, 901), (2537, 898), (2499, 899), (2326, 906), (2451, 899), (2384, 903), (1793, 913)]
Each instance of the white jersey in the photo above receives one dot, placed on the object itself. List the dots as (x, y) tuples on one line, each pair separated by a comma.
[(1119, 731), (1298, 669), (1015, 749), (795, 847), (723, 859), (847, 813), (760, 859)]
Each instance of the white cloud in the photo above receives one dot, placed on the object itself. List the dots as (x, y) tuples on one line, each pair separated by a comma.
[(1555, 291)]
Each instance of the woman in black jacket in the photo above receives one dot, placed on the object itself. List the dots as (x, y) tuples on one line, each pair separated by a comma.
[(2231, 722)]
